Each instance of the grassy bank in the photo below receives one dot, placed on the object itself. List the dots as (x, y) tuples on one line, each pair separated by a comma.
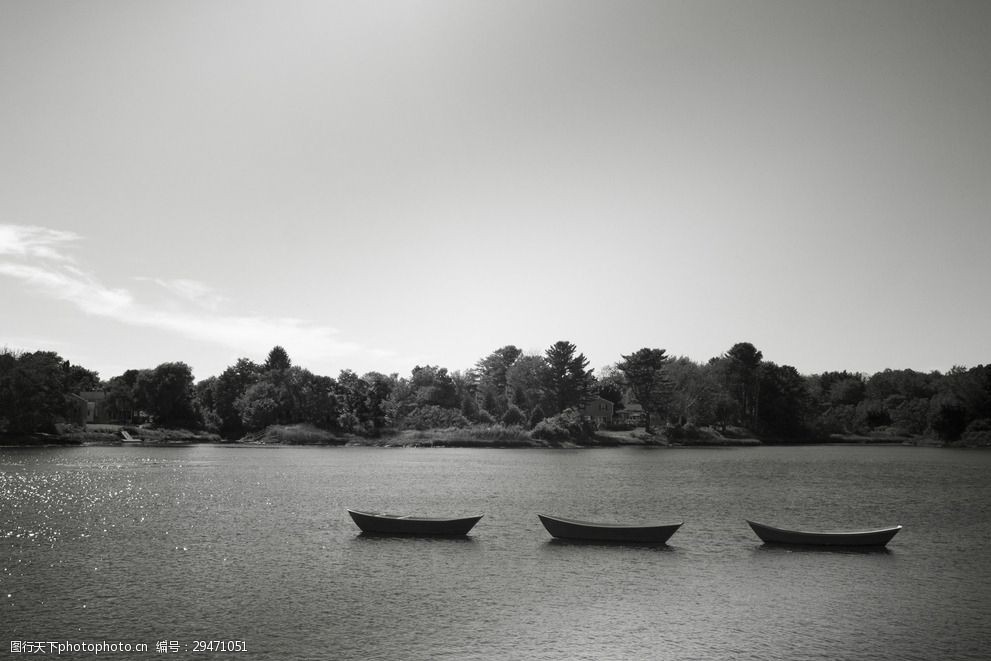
[(497, 436), (296, 435), (882, 438), (478, 436), (97, 434)]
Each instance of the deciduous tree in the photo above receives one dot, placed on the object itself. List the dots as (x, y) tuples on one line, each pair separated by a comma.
[(231, 385), (492, 377), (32, 391), (166, 394), (785, 401), (644, 371)]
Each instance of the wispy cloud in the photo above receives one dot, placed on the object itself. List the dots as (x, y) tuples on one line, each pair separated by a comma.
[(40, 258), (32, 241), (199, 293), (67, 283)]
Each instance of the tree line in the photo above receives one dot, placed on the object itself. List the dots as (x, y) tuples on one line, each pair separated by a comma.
[(544, 393)]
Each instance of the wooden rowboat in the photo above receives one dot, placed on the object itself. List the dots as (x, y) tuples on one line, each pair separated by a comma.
[(396, 524), (608, 532), (772, 535)]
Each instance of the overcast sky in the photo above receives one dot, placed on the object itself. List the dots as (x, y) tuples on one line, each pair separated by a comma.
[(376, 185)]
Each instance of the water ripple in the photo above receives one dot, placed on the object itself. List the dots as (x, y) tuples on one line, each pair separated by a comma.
[(146, 544)]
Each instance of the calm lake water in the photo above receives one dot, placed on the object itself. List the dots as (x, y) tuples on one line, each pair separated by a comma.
[(144, 545)]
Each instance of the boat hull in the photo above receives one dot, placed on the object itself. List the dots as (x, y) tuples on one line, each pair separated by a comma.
[(772, 535), (607, 532), (391, 524)]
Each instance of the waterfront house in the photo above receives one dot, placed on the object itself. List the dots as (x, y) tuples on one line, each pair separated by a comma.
[(599, 410), (632, 414), (97, 410)]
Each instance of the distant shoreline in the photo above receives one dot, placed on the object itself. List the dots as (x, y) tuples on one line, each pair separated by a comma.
[(491, 437)]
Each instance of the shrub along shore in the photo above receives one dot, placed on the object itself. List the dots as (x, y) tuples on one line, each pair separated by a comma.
[(478, 436)]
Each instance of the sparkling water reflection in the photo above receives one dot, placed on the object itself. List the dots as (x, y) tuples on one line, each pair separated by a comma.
[(205, 542)]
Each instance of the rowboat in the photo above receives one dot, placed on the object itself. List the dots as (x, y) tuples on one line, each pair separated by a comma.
[(772, 535), (397, 524), (607, 532)]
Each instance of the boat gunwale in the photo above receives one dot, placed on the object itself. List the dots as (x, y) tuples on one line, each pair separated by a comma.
[(611, 526), (409, 517)]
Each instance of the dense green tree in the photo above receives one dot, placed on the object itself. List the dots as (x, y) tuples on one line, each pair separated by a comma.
[(836, 403), (79, 379), (906, 383), (32, 391), (947, 417), (970, 388), (353, 401), (490, 401), (466, 392), (611, 386), (278, 359), (520, 399), (872, 414), (492, 377), (166, 393), (526, 377), (536, 416), (121, 396), (566, 380), (469, 408), (205, 402), (513, 416), (836, 388), (433, 386), (249, 397), (427, 386), (848, 392), (785, 401), (377, 397), (307, 397), (259, 405), (230, 386), (205, 392), (644, 370), (287, 381), (432, 416), (612, 393), (709, 401), (691, 389), (725, 410), (909, 415), (742, 378)]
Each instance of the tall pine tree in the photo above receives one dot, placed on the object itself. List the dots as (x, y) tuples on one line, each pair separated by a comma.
[(567, 379)]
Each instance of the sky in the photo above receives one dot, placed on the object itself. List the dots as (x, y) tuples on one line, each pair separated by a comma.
[(380, 185)]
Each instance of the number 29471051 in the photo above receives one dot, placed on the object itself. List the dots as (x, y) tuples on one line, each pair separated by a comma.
[(219, 646)]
